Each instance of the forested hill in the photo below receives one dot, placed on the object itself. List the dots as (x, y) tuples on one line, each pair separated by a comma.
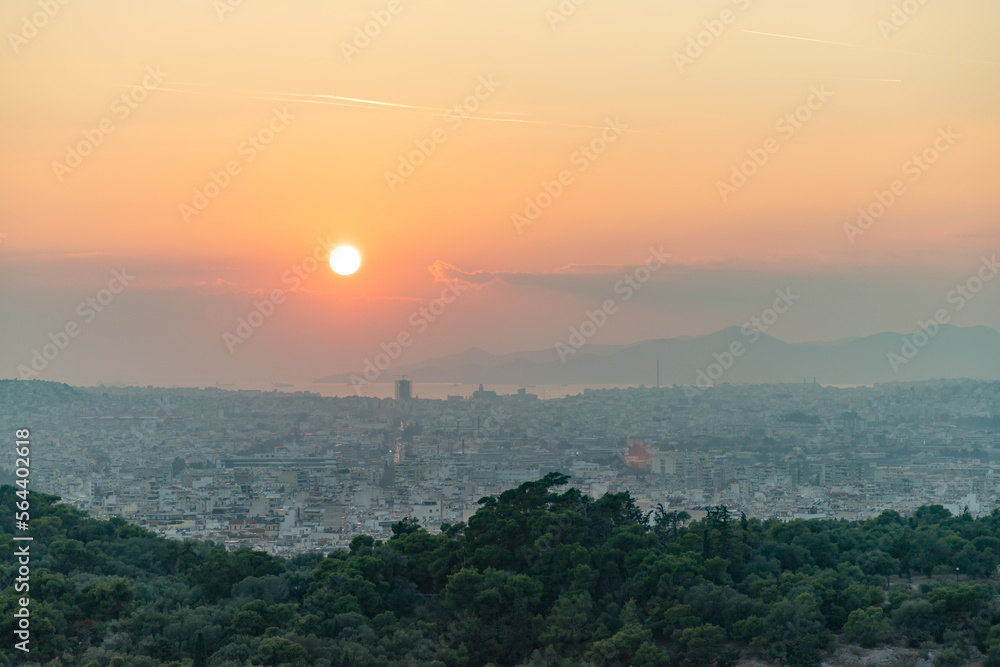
[(541, 576)]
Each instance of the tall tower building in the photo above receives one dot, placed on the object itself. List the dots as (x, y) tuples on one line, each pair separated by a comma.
[(403, 390)]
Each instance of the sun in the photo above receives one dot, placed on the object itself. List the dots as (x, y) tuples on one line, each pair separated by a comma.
[(345, 260)]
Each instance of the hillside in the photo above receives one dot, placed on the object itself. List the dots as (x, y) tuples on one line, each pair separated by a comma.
[(541, 576)]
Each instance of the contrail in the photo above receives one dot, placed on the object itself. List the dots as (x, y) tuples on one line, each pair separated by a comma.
[(297, 97), (338, 97), (875, 48), (386, 104), (347, 99), (336, 100), (838, 78)]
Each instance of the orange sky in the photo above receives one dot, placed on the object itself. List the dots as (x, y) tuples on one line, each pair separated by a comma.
[(224, 73)]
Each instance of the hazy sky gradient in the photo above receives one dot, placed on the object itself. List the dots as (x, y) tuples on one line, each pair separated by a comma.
[(324, 175)]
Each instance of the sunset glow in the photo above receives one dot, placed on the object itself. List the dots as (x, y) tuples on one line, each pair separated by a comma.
[(755, 142)]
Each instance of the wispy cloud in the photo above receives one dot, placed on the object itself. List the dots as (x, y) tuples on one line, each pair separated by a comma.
[(836, 78), (48, 255), (561, 278), (220, 286), (445, 272), (870, 48), (359, 103)]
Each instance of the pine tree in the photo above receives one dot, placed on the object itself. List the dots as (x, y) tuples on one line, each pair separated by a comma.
[(200, 654)]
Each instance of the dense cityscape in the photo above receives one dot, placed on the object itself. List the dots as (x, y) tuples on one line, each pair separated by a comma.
[(298, 472)]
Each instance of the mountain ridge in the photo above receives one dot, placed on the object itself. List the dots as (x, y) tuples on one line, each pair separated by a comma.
[(733, 354)]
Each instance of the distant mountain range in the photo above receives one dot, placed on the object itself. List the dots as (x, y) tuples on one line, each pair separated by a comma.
[(951, 352)]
